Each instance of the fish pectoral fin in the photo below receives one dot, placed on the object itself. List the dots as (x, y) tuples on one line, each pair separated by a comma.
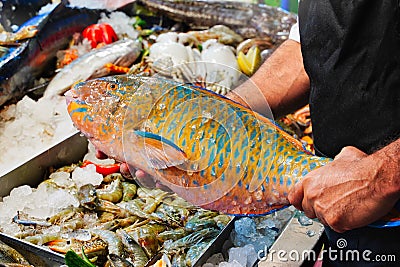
[(161, 153)]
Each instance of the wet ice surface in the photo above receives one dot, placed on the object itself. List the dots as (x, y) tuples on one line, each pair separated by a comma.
[(250, 239), (29, 128)]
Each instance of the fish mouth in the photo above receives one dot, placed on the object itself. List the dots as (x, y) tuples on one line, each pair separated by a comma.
[(69, 96)]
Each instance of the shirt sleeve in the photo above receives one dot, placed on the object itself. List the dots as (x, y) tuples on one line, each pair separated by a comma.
[(294, 33)]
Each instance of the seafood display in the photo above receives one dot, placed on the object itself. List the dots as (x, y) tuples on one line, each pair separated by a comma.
[(208, 149), (215, 66), (10, 38), (238, 164), (108, 218), (247, 19), (92, 64), (35, 57), (111, 220)]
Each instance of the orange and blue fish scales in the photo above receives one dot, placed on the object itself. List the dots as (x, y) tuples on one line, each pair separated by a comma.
[(208, 149)]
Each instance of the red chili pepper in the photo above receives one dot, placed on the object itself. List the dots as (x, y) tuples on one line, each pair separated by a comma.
[(100, 33), (103, 169)]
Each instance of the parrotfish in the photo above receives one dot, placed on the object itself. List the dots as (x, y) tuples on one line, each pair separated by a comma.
[(210, 150)]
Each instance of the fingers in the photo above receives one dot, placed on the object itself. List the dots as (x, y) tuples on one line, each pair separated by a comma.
[(129, 172), (297, 199), (296, 196), (125, 171), (100, 155)]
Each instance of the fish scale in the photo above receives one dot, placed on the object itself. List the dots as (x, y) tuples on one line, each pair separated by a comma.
[(208, 149)]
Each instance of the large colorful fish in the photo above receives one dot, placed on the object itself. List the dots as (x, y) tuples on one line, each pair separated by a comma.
[(208, 149)]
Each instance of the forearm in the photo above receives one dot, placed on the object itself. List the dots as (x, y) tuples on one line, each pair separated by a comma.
[(387, 162), (281, 82)]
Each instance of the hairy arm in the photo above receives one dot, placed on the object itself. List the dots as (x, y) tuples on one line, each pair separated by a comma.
[(281, 82), (352, 191)]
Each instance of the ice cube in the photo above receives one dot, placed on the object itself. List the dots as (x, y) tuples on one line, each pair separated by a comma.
[(304, 220), (39, 213), (87, 175), (59, 176), (238, 254), (61, 179), (10, 228), (267, 223), (21, 191), (245, 226), (251, 255), (61, 199), (216, 259)]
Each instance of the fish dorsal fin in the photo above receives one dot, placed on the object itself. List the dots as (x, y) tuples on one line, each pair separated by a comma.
[(161, 152)]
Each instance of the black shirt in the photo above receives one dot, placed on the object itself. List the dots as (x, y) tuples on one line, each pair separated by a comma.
[(351, 52)]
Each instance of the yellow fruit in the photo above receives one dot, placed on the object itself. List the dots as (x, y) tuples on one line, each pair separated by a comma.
[(250, 62)]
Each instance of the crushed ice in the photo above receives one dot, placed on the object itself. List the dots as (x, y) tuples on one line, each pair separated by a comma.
[(29, 128), (50, 197), (250, 240)]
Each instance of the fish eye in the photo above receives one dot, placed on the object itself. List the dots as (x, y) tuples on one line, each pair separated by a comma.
[(112, 86)]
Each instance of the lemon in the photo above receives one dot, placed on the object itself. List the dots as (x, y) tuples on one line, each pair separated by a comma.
[(250, 62)]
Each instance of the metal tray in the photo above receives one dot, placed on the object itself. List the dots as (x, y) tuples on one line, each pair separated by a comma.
[(71, 150)]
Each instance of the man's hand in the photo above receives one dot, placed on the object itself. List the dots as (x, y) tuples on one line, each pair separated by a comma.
[(347, 193), (141, 177)]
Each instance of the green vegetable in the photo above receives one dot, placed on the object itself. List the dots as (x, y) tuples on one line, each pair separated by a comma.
[(139, 22), (73, 260)]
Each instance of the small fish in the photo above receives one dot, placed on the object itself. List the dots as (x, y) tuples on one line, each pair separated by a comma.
[(93, 64), (208, 149)]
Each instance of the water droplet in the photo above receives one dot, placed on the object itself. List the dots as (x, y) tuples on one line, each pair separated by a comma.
[(201, 134), (304, 220), (258, 195), (195, 166), (206, 114), (213, 173), (310, 233), (248, 200), (253, 144), (161, 106)]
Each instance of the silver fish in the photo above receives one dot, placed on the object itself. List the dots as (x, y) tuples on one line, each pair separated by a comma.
[(91, 65), (35, 57)]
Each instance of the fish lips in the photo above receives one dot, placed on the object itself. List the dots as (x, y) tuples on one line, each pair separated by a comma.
[(69, 96)]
